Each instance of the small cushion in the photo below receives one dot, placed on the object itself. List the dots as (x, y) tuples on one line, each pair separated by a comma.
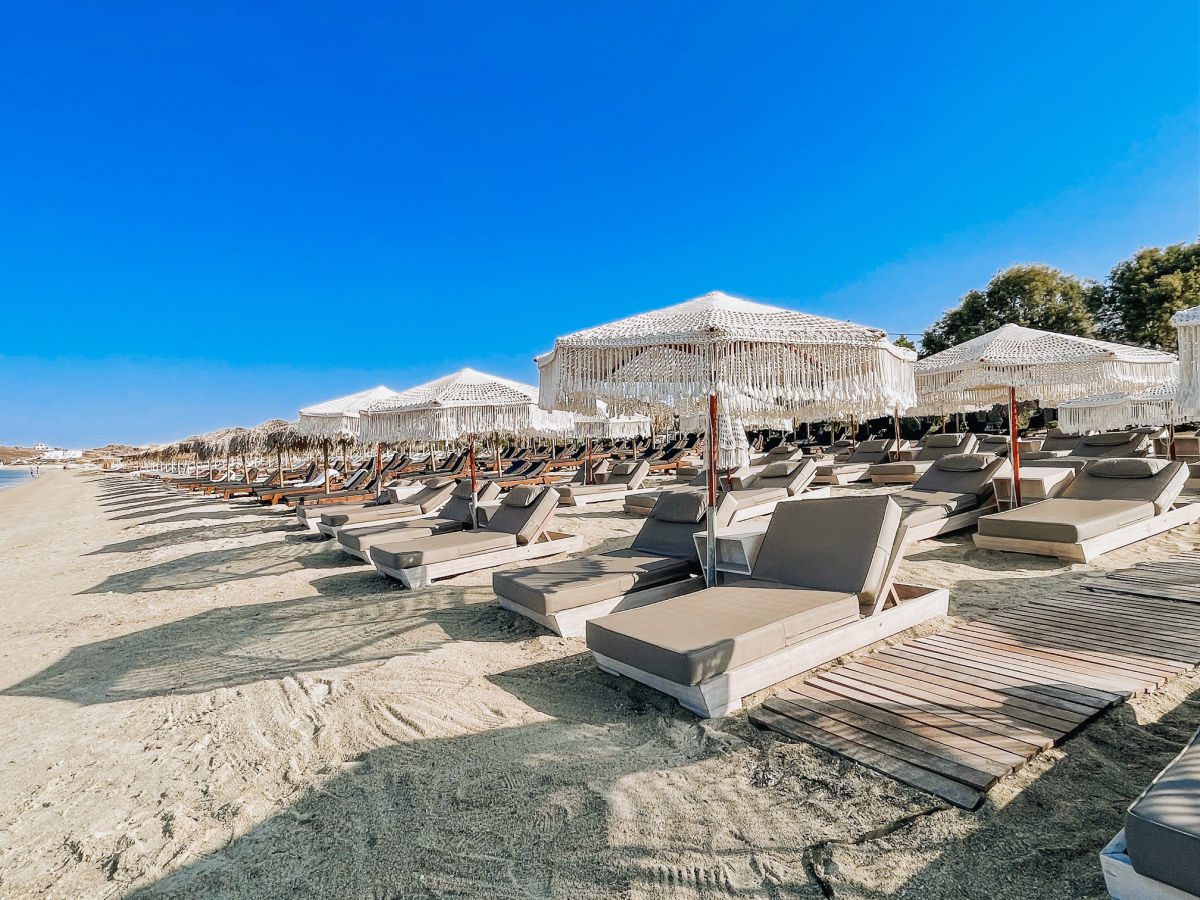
[(1108, 439), (964, 462), (522, 495), (1121, 467), (779, 469), (680, 506)]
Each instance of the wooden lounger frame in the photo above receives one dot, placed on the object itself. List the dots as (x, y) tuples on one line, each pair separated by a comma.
[(551, 543), (723, 694), (1086, 551), (572, 623), (1124, 882)]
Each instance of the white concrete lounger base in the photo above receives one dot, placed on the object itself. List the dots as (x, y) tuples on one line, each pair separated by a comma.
[(1124, 882), (841, 479), (552, 544), (957, 522), (1086, 551), (721, 695), (585, 499), (572, 623)]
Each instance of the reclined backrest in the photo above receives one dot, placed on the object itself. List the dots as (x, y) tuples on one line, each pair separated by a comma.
[(938, 445), (963, 473), (630, 474), (525, 512), (1152, 480), (1187, 446), (782, 453), (435, 492), (842, 544), (873, 451), (675, 518), (1111, 444), (792, 476), (458, 507), (1057, 440)]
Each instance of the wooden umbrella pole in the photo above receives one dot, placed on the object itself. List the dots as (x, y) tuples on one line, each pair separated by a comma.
[(587, 461), (1013, 452), (378, 468), (325, 458), (496, 452), (279, 463), (896, 426), (474, 484), (710, 569), (1171, 441)]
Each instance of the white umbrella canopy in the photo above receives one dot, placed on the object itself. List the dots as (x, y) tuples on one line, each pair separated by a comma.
[(1187, 326), (1112, 411), (603, 425), (1040, 365), (464, 403), (338, 417), (758, 359)]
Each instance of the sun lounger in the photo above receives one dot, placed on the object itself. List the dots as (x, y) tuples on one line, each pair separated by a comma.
[(934, 447), (432, 496), (659, 564), (1111, 503), (954, 494), (1156, 856), (357, 540), (1106, 445), (622, 479), (518, 530), (819, 588), (779, 453), (857, 465)]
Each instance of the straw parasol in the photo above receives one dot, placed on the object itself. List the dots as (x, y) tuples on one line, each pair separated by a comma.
[(1187, 326), (338, 421), (1113, 411), (462, 405), (1015, 363), (719, 353)]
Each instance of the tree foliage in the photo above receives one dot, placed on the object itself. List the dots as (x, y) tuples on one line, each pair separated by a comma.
[(1141, 294), (1035, 296), (903, 341)]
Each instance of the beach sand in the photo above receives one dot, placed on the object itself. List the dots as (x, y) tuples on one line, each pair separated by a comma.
[(198, 700)]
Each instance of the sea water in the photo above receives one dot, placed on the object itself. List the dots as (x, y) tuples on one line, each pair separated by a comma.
[(13, 477)]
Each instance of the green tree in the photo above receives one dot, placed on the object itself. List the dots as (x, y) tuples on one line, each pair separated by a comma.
[(1141, 294), (903, 341), (1035, 296)]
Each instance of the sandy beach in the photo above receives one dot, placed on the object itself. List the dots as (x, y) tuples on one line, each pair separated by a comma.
[(201, 700)]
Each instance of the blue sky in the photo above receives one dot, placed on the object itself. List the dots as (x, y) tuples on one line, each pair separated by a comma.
[(216, 213)]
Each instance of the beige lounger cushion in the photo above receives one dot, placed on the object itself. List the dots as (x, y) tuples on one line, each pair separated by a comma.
[(754, 495), (923, 507), (842, 469), (577, 582), (1065, 521), (524, 512), (583, 490), (370, 514), (718, 629), (914, 467), (440, 548), (363, 538), (1159, 483)]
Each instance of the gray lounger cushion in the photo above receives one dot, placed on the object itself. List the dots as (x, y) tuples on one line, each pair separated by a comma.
[(524, 512), (370, 513), (963, 473), (872, 451), (1155, 481), (1162, 827), (440, 548), (845, 468), (1065, 521), (701, 635), (912, 467), (923, 507), (577, 582), (361, 539)]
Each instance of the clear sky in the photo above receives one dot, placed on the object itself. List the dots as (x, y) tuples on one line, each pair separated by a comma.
[(215, 213)]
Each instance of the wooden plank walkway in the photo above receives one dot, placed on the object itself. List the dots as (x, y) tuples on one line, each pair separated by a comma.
[(952, 713)]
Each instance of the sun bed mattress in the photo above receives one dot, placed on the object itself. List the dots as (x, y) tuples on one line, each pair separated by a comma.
[(577, 582), (408, 554), (1065, 521), (1162, 827), (362, 538), (695, 637), (369, 514)]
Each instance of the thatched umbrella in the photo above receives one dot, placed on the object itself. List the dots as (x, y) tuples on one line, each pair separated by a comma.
[(1015, 363), (1187, 326), (279, 436), (722, 354)]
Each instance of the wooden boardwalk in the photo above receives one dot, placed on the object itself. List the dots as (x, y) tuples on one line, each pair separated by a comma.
[(952, 713)]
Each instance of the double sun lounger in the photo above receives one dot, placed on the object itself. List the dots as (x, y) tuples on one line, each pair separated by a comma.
[(933, 448), (756, 490), (857, 466), (620, 480)]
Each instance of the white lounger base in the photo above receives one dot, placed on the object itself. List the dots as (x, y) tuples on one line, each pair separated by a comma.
[(334, 530), (723, 693), (910, 478), (841, 479), (1124, 882), (552, 544), (1086, 551), (572, 623), (957, 522)]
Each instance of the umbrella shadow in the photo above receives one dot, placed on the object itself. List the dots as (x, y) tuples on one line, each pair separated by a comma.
[(210, 568), (194, 534)]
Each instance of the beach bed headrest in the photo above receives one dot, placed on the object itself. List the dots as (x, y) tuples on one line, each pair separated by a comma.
[(1110, 438), (943, 440), (524, 512), (675, 518)]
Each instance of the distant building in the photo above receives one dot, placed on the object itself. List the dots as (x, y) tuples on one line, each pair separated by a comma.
[(41, 446), (58, 455)]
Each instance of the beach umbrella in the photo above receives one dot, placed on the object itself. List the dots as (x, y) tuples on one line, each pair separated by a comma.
[(1187, 326), (1015, 363), (1113, 411), (339, 419), (722, 354), (283, 437), (604, 425)]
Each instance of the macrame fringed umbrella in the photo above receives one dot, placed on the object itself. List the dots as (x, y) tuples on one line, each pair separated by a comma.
[(1187, 326), (1109, 412), (721, 354), (338, 421), (1015, 363)]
